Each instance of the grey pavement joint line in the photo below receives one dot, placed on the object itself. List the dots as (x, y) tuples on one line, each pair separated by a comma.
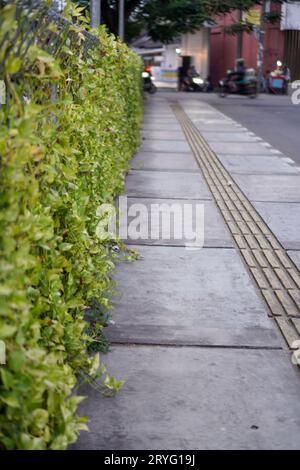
[(276, 276), (151, 344)]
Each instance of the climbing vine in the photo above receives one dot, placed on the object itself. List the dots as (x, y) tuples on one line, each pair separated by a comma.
[(61, 158)]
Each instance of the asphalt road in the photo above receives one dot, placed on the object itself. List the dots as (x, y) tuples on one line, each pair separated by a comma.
[(274, 118)]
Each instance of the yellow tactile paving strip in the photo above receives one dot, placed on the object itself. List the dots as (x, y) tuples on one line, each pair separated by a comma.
[(276, 276)]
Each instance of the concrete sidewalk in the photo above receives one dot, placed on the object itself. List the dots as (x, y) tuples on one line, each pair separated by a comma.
[(203, 355)]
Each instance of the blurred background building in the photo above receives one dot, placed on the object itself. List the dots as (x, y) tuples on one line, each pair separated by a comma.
[(166, 59), (213, 50), (281, 41)]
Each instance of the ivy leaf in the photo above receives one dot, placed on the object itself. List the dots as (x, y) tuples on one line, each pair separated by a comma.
[(61, 157), (16, 361), (13, 65), (6, 331), (95, 364), (10, 400)]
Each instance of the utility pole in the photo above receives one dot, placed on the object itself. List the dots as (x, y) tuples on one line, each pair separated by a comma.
[(261, 45), (95, 11), (121, 19), (239, 48)]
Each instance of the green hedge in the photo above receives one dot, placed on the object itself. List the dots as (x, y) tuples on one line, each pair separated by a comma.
[(59, 161)]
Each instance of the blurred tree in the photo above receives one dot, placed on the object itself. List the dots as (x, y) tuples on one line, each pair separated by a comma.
[(166, 19)]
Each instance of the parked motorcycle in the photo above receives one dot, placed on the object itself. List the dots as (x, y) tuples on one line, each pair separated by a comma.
[(233, 85), (149, 86), (278, 80)]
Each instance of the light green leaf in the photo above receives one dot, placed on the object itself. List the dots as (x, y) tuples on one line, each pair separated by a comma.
[(13, 64)]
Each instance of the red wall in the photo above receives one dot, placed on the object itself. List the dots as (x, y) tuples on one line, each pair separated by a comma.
[(274, 47), (224, 48)]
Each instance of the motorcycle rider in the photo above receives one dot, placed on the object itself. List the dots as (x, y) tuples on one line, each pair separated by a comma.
[(240, 69), (236, 78), (188, 79), (240, 81)]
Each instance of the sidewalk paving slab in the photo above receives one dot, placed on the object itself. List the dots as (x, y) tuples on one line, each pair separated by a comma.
[(234, 136), (216, 233), (239, 148), (164, 161), (295, 256), (163, 135), (166, 184), (271, 188), (202, 111), (205, 290), (257, 164), (205, 367), (284, 221), (162, 126), (214, 125), (196, 398), (165, 146), (160, 119)]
